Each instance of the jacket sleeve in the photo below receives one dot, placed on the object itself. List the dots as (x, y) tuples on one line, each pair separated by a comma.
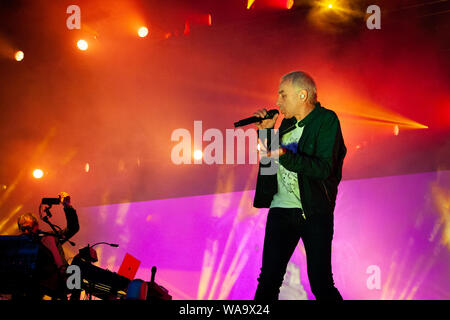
[(72, 223), (320, 164)]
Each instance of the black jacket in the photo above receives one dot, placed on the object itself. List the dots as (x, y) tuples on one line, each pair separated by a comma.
[(318, 162)]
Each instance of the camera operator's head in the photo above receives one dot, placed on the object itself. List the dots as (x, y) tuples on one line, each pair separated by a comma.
[(27, 223)]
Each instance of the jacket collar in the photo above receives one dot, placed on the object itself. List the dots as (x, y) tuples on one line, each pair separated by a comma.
[(288, 124), (312, 115)]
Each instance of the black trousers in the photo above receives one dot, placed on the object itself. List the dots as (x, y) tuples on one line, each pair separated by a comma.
[(284, 228)]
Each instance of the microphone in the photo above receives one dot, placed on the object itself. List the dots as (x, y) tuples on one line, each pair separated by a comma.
[(153, 274), (109, 244), (270, 114)]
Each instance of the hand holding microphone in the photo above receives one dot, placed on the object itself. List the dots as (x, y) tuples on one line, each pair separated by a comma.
[(269, 120), (264, 119), (260, 118)]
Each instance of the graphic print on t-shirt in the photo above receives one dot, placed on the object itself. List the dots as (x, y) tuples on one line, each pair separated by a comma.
[(288, 195)]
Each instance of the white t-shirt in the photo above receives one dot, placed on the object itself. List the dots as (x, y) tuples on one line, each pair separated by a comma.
[(288, 195)]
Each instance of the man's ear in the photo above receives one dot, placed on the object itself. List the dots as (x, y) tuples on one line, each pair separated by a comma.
[(303, 95)]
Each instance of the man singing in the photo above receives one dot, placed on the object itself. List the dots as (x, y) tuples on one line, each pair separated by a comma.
[(301, 194)]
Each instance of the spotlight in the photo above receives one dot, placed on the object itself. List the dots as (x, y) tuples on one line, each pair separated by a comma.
[(198, 154), (330, 5), (142, 32), (19, 55), (38, 173), (82, 45), (396, 130), (289, 4)]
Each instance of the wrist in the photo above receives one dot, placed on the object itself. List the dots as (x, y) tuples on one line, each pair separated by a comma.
[(277, 153), (282, 151)]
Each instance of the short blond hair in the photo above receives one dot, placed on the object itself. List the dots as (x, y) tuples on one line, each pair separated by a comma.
[(25, 218)]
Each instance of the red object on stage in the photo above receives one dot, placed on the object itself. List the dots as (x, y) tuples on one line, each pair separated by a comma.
[(129, 266)]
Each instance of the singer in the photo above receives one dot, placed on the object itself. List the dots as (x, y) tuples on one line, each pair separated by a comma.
[(51, 261), (302, 194)]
